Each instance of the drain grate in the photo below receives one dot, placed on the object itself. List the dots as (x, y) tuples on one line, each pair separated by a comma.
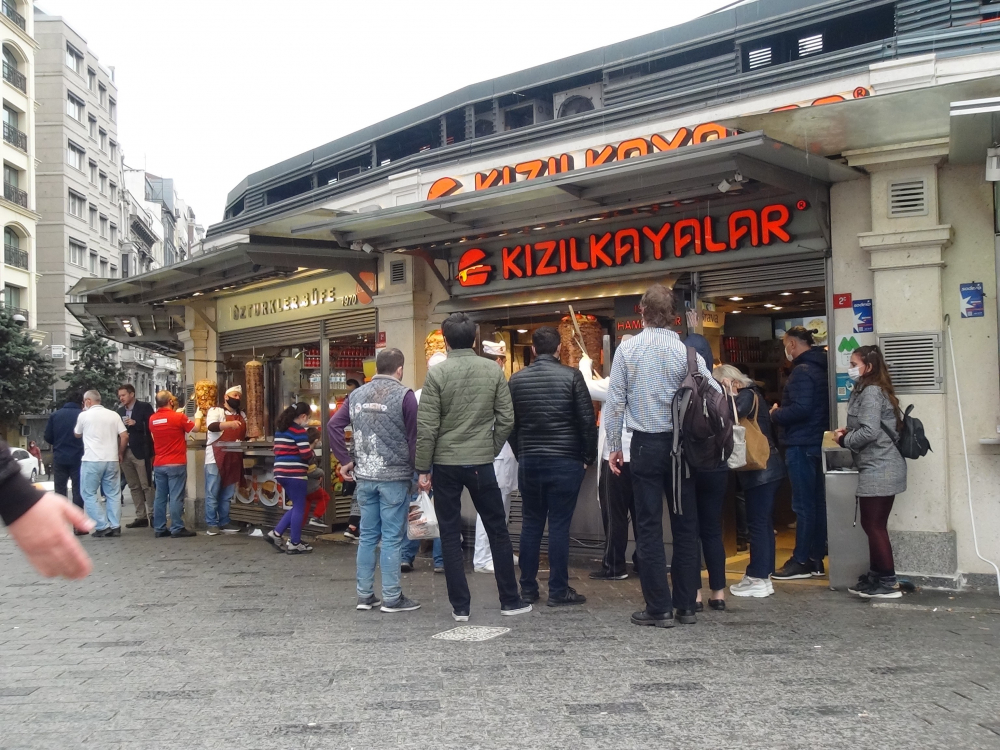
[(470, 633)]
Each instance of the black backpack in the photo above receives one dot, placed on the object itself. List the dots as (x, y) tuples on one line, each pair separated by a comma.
[(703, 425), (912, 442)]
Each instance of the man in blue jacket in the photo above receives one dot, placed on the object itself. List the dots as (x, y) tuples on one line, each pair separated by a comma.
[(805, 415), (67, 448)]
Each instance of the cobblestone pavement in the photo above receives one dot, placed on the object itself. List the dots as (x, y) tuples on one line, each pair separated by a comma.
[(218, 642)]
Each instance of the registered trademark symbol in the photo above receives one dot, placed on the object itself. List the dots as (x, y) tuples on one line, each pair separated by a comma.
[(802, 205)]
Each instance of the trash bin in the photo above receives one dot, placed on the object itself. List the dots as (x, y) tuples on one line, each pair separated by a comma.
[(847, 543)]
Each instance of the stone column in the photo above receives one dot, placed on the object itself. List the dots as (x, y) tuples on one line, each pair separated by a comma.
[(402, 315), (200, 363)]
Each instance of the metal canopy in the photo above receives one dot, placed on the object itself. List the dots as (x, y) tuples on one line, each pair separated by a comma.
[(690, 172), (975, 127), (152, 326)]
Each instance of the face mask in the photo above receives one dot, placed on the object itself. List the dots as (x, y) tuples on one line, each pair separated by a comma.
[(233, 404), (854, 373), (788, 356)]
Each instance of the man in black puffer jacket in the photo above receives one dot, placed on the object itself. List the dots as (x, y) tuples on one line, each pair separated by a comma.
[(555, 439)]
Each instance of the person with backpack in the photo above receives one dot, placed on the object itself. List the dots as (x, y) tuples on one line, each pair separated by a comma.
[(874, 421), (646, 373), (759, 486), (804, 413)]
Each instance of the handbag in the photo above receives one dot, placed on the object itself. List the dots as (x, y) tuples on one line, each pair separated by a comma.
[(738, 458), (758, 449)]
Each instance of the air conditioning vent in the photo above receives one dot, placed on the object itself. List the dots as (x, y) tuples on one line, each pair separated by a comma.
[(907, 198), (915, 361), (760, 57), (578, 100), (810, 45), (397, 272)]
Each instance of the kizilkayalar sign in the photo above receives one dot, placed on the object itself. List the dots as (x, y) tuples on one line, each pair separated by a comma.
[(654, 243)]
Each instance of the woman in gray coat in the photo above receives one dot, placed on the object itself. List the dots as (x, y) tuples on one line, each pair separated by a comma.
[(873, 424)]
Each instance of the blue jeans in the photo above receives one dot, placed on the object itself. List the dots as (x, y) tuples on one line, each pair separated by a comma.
[(710, 491), (384, 506), (805, 470), (760, 506), (171, 484), (217, 497), (412, 546), (102, 477), (549, 489)]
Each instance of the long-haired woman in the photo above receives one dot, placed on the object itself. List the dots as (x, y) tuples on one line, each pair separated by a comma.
[(873, 424), (292, 455)]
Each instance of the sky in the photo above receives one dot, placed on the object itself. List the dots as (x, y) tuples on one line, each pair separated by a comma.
[(210, 91)]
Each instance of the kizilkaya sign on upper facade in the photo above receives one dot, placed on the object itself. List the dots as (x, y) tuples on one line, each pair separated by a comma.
[(656, 243)]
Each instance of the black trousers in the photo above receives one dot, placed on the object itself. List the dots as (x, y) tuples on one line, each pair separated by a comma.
[(617, 507), (481, 482), (652, 478), (63, 472)]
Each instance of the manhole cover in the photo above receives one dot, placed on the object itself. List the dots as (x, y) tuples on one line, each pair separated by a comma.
[(470, 633)]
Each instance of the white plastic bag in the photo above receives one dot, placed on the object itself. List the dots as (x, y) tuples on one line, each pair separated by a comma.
[(422, 521), (738, 458)]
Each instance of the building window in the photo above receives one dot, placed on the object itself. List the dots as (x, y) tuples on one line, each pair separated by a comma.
[(75, 345), (114, 192), (93, 263), (114, 152), (77, 252), (104, 140), (74, 156), (12, 71), (104, 226), (102, 94), (114, 272), (93, 216), (104, 268), (125, 257), (91, 79), (74, 107), (113, 110), (11, 133), (93, 128), (93, 173), (12, 296), (114, 234), (104, 183), (76, 204), (74, 60)]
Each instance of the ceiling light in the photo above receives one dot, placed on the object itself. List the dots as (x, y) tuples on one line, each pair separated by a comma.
[(775, 307), (595, 218), (736, 299), (786, 294), (807, 291), (768, 304), (538, 229), (736, 312), (522, 330)]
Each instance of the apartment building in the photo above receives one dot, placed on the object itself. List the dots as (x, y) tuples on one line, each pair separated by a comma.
[(79, 175), (18, 265)]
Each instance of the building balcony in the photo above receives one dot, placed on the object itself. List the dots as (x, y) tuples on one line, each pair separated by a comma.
[(12, 311), (14, 194), (15, 137), (15, 256), (11, 12), (15, 77)]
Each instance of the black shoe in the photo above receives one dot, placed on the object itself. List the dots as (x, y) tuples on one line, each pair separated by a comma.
[(818, 571), (100, 533), (719, 605), (685, 616), (161, 534), (116, 531), (666, 620), (570, 597), (882, 588), (742, 545), (139, 523), (606, 575), (529, 596), (699, 606), (519, 607), (405, 567), (183, 533), (865, 583), (792, 570)]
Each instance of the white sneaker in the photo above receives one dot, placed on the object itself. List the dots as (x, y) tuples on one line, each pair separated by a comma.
[(517, 560), (484, 569), (755, 587)]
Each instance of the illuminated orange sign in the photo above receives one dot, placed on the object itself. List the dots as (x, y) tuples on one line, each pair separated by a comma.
[(592, 157), (632, 245)]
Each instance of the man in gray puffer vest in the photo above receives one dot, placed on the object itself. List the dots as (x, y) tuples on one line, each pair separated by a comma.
[(383, 414)]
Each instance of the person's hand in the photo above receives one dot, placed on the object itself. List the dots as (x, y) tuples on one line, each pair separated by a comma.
[(44, 535), (774, 408), (424, 482), (616, 461), (345, 472), (840, 432), (129, 422)]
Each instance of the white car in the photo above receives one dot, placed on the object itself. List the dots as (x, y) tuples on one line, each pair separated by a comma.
[(29, 464)]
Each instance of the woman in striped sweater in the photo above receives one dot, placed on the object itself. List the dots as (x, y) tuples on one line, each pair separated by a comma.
[(292, 454)]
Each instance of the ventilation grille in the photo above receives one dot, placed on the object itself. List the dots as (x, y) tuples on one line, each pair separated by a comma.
[(914, 360), (190, 407), (397, 272), (762, 279), (760, 57), (810, 45), (907, 198)]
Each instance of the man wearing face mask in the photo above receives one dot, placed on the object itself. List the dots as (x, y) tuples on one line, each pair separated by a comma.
[(223, 469), (804, 414)]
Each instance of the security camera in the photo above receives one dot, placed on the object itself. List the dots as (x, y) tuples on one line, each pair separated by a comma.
[(356, 245), (367, 248), (725, 186)]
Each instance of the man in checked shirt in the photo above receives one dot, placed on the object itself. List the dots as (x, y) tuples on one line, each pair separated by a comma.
[(647, 371)]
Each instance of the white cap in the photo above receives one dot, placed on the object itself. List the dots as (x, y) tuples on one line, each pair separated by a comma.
[(495, 348), (237, 389), (436, 359)]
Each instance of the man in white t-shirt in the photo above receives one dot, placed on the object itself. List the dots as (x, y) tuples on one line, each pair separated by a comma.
[(223, 469), (105, 439)]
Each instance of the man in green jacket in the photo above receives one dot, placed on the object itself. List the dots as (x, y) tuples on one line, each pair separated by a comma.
[(463, 421)]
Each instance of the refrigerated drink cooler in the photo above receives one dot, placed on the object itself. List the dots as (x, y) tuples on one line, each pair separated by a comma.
[(847, 542)]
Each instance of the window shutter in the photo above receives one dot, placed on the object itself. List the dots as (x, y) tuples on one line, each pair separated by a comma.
[(914, 360), (908, 198)]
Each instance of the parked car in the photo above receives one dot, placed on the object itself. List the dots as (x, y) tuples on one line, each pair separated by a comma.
[(29, 464)]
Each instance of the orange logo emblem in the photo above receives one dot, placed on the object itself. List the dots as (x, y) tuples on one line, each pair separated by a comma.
[(471, 272)]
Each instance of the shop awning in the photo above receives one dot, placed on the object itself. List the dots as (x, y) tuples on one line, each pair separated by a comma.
[(690, 172)]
